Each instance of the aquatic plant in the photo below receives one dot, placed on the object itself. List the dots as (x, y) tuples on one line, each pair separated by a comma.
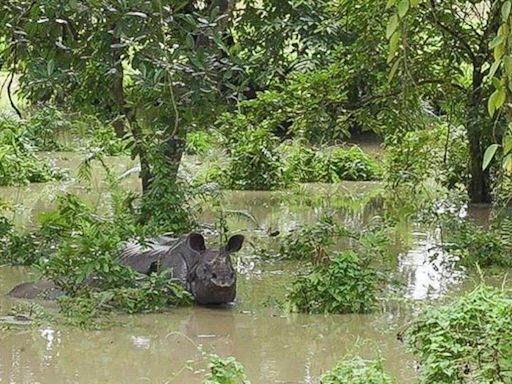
[(345, 284), (474, 245), (225, 370), (313, 242), (468, 340), (356, 370)]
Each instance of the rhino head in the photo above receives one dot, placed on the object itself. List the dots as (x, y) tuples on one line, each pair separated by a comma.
[(212, 278)]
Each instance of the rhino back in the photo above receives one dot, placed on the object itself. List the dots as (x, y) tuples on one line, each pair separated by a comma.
[(166, 257), (36, 290)]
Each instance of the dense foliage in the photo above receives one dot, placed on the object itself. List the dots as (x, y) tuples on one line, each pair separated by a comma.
[(466, 341), (474, 245), (345, 284), (19, 163)]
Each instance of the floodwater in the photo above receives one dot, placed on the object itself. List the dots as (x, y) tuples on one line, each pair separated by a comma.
[(274, 347)]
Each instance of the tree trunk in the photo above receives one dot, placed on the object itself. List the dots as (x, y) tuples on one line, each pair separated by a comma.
[(479, 185)]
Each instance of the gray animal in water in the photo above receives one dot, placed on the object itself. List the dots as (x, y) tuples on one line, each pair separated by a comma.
[(208, 274)]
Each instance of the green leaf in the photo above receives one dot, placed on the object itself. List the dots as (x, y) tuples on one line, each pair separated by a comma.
[(138, 14), (507, 61), (496, 100), (403, 7), (390, 3), (415, 3), (391, 27), (50, 67), (494, 68), (489, 155), (505, 10), (393, 45), (498, 40), (393, 70)]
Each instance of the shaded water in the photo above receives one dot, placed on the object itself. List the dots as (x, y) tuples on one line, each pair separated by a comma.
[(273, 347)]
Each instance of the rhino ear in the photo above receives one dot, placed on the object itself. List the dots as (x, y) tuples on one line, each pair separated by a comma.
[(196, 242), (234, 243)]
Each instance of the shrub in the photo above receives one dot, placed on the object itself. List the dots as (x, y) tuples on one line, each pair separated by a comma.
[(355, 370), (305, 164), (199, 142), (475, 245), (346, 284), (225, 371), (18, 161), (348, 164), (466, 341), (254, 163), (312, 242)]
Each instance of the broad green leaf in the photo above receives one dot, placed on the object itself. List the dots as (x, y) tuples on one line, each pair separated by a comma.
[(390, 3), (496, 41), (403, 7), (507, 61), (507, 144), (505, 10), (491, 104), (391, 27), (498, 52), (393, 45), (489, 155), (494, 68)]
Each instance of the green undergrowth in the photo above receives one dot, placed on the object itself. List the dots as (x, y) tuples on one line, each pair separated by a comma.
[(347, 281), (19, 163), (475, 245), (307, 164), (256, 161), (356, 370), (224, 370), (468, 340), (76, 246), (344, 284)]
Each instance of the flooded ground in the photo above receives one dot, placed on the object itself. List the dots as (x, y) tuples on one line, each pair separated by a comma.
[(274, 347)]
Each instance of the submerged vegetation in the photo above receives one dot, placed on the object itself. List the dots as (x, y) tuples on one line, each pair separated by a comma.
[(345, 284)]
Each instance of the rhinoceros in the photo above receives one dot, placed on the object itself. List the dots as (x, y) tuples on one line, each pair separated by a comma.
[(208, 274)]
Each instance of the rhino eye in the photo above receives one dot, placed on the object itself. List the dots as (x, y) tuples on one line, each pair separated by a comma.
[(214, 275)]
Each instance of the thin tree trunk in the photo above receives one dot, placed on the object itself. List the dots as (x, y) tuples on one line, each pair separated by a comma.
[(479, 185)]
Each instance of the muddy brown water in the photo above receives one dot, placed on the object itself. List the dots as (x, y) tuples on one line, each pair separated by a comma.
[(170, 347)]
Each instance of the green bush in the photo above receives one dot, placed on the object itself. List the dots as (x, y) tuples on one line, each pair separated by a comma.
[(199, 142), (348, 164), (225, 370), (346, 284), (474, 245), (306, 164), (18, 161), (466, 341), (254, 163), (313, 242), (355, 370)]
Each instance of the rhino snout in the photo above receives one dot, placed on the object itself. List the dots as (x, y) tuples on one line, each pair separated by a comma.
[(223, 281)]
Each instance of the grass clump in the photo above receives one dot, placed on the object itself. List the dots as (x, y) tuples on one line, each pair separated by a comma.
[(356, 370)]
